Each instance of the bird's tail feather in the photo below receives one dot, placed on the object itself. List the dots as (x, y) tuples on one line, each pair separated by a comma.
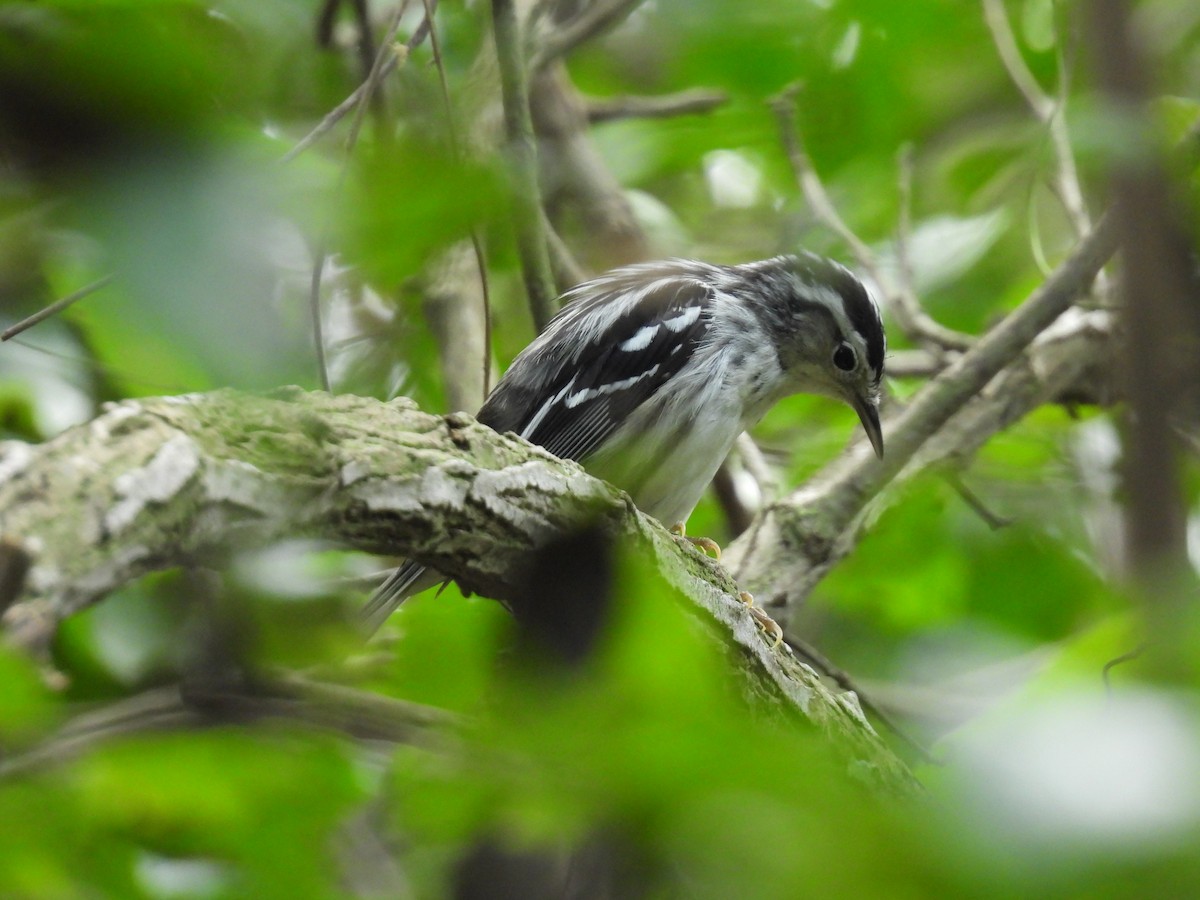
[(407, 579)]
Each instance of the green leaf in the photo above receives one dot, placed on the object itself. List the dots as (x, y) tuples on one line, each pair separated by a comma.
[(1038, 25), (402, 207), (26, 706), (266, 803)]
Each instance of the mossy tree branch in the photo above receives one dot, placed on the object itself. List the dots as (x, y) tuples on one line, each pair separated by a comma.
[(153, 484)]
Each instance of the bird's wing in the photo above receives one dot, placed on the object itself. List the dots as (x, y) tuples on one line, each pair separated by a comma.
[(569, 396)]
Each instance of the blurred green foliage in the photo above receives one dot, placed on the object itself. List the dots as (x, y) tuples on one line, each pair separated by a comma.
[(145, 137)]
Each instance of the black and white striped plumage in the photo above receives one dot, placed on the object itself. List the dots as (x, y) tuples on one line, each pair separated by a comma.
[(649, 373)]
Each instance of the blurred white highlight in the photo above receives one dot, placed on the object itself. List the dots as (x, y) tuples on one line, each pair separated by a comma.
[(1080, 768), (733, 180)]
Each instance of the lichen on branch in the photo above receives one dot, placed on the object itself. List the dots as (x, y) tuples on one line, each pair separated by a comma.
[(158, 483)]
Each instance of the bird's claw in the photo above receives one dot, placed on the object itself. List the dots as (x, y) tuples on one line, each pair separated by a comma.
[(707, 546), (769, 626)]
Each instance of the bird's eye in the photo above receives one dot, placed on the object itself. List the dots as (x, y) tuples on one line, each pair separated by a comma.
[(844, 358)]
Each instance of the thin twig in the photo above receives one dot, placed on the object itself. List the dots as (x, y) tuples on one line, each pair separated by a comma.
[(597, 16), (375, 77), (904, 267), (1049, 110), (1010, 55), (963, 379), (325, 22), (518, 127), (567, 271), (314, 312), (367, 54), (334, 116), (56, 307), (916, 363), (912, 318), (684, 103), (993, 520), (486, 296), (1127, 657), (784, 107), (359, 715), (98, 368), (909, 313), (339, 112), (476, 242)]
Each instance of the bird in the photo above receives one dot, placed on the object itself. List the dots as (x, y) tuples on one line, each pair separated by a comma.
[(648, 374)]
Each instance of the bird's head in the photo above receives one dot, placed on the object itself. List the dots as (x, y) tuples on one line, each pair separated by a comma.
[(827, 331)]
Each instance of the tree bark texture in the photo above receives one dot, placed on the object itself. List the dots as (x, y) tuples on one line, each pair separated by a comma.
[(158, 483)]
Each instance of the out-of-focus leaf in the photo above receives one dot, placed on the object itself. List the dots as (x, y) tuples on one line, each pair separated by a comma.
[(942, 249), (265, 803), (400, 210), (930, 560), (192, 237), (1037, 24), (445, 649), (1179, 116), (26, 706), (125, 641), (52, 851), (86, 83)]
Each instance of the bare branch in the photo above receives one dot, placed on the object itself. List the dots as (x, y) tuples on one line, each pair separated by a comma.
[(1160, 369), (456, 148), (1062, 365), (1006, 47), (917, 363), (56, 307), (454, 309), (909, 314), (595, 17), (356, 714), (374, 79), (173, 480), (335, 115), (684, 103), (823, 516), (567, 271), (1049, 110), (784, 107), (527, 194), (576, 179)]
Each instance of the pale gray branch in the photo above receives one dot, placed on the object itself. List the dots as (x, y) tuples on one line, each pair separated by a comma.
[(154, 484), (795, 542), (596, 17), (911, 317), (526, 194), (577, 182), (1049, 110)]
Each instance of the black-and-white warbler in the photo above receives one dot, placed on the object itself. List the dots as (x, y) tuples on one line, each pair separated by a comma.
[(650, 372)]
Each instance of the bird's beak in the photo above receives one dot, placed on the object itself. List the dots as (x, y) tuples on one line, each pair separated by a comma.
[(868, 413)]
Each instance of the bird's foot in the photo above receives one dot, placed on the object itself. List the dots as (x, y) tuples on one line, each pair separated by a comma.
[(707, 546), (768, 625)]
